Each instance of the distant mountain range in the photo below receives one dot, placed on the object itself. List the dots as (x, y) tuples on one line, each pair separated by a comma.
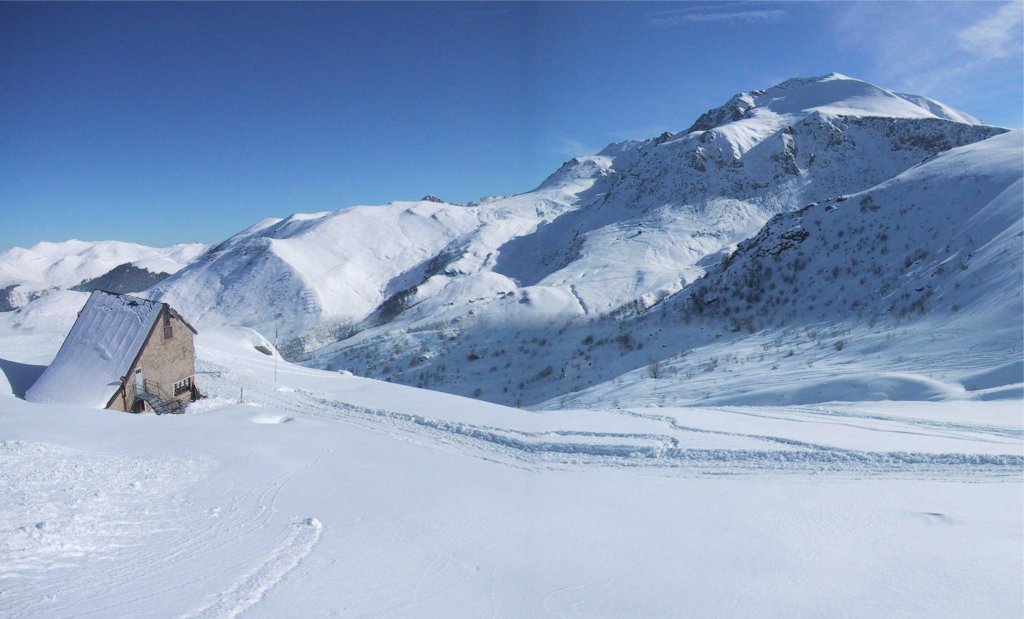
[(827, 204), (32, 273)]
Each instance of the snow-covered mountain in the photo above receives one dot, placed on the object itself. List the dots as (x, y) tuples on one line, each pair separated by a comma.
[(943, 236), (27, 274), (645, 252), (636, 221), (909, 290)]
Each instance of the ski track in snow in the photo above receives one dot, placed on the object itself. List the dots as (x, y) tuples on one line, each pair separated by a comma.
[(285, 557), (136, 519), (662, 451), (939, 426), (107, 510)]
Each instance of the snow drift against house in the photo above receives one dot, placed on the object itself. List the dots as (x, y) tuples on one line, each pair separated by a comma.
[(99, 350)]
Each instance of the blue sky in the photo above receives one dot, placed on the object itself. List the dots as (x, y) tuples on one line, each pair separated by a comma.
[(163, 123)]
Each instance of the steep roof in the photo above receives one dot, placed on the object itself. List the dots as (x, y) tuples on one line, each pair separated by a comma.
[(107, 337)]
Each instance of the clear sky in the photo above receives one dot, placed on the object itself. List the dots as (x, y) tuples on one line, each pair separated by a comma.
[(164, 123)]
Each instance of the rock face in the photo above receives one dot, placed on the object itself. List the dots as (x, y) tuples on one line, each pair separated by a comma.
[(121, 279), (482, 297)]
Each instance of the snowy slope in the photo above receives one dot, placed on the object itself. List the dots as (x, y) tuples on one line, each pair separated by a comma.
[(674, 214), (630, 225), (29, 273), (308, 269), (323, 274), (909, 290), (941, 109), (329, 495), (775, 363), (942, 237)]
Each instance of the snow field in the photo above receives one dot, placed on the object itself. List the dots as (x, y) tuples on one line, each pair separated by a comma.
[(329, 494)]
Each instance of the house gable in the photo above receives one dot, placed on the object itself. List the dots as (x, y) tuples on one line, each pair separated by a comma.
[(100, 348), (167, 357)]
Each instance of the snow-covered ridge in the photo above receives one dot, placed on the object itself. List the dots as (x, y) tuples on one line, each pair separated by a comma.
[(833, 94), (636, 219), (910, 290), (28, 273), (403, 290), (934, 210), (419, 292)]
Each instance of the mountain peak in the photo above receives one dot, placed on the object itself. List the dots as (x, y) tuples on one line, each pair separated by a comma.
[(833, 94)]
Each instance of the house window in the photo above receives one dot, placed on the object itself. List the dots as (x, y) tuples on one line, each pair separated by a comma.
[(183, 386), (168, 333)]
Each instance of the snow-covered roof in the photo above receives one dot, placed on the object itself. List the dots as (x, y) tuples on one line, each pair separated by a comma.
[(99, 350)]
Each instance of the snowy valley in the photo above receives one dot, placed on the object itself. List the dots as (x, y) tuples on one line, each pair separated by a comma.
[(767, 366)]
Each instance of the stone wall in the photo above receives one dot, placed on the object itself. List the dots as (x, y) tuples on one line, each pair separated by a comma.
[(164, 361)]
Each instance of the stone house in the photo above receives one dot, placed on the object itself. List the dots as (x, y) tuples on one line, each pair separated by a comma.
[(123, 353)]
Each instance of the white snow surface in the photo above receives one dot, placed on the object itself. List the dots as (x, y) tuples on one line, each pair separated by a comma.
[(98, 351), (840, 95), (320, 494), (837, 431), (941, 109), (69, 263), (29, 276)]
